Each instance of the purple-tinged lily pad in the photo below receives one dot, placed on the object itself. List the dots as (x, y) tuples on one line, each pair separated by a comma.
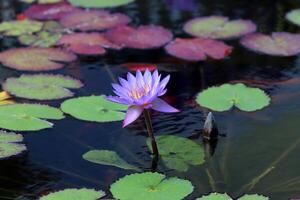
[(278, 44), (88, 20), (143, 37), (49, 11), (87, 43), (35, 59), (196, 49), (218, 27)]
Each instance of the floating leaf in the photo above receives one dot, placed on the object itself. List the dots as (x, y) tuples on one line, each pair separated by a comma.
[(197, 49), (74, 194), (226, 96), (294, 16), (41, 39), (99, 3), (215, 196), (87, 43), (253, 197), (94, 108), (10, 144), (106, 157), (28, 117), (278, 44), (143, 37), (151, 186), (5, 98), (178, 153), (49, 11), (35, 59), (218, 27), (41, 86), (88, 20), (16, 28)]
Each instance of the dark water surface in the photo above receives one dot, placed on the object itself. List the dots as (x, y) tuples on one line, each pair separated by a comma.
[(260, 153)]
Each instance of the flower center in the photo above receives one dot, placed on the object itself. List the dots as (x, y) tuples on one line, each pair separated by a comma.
[(140, 92)]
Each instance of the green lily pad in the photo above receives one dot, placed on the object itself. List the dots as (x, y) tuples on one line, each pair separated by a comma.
[(151, 186), (94, 109), (16, 28), (294, 16), (10, 144), (41, 39), (253, 197), (99, 3), (106, 157), (28, 117), (226, 96), (41, 86), (178, 153), (74, 194), (215, 196)]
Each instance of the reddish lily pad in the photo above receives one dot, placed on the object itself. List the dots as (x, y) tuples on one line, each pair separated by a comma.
[(278, 44), (197, 49), (87, 43), (49, 11), (143, 37), (35, 59), (87, 20), (140, 66), (218, 27)]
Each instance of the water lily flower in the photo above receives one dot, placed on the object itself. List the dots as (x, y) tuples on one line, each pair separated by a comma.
[(141, 92)]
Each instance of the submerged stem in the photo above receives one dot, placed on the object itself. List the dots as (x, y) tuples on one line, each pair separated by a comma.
[(150, 134)]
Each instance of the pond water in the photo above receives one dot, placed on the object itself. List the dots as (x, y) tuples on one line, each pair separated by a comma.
[(258, 153)]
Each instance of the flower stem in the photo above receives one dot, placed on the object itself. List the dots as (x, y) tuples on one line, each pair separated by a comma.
[(150, 134)]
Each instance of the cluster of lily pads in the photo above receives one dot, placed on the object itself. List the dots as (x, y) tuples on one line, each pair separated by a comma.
[(59, 30)]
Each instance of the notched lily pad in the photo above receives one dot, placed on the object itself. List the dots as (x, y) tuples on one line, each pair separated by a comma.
[(99, 3), (94, 109), (87, 43), (143, 37), (215, 196), (106, 157), (35, 59), (294, 16), (180, 159), (41, 86), (278, 44), (78, 194), (197, 49), (10, 144), (41, 39), (89, 20), (151, 186), (226, 96), (16, 28), (28, 117), (218, 27), (253, 197)]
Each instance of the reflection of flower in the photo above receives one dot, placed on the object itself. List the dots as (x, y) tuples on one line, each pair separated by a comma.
[(141, 92)]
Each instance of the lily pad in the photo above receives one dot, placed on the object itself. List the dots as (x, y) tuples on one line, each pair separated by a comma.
[(94, 108), (143, 37), (226, 96), (41, 86), (10, 144), (215, 196), (197, 49), (278, 44), (253, 197), (16, 28), (49, 11), (178, 153), (88, 20), (5, 99), (35, 59), (99, 3), (87, 43), (41, 39), (294, 16), (218, 27), (28, 117), (106, 157), (78, 194), (151, 186)]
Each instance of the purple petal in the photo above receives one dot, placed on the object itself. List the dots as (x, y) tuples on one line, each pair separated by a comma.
[(162, 106), (139, 79), (131, 80), (148, 78), (118, 100), (119, 90), (164, 82), (124, 83), (132, 114)]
